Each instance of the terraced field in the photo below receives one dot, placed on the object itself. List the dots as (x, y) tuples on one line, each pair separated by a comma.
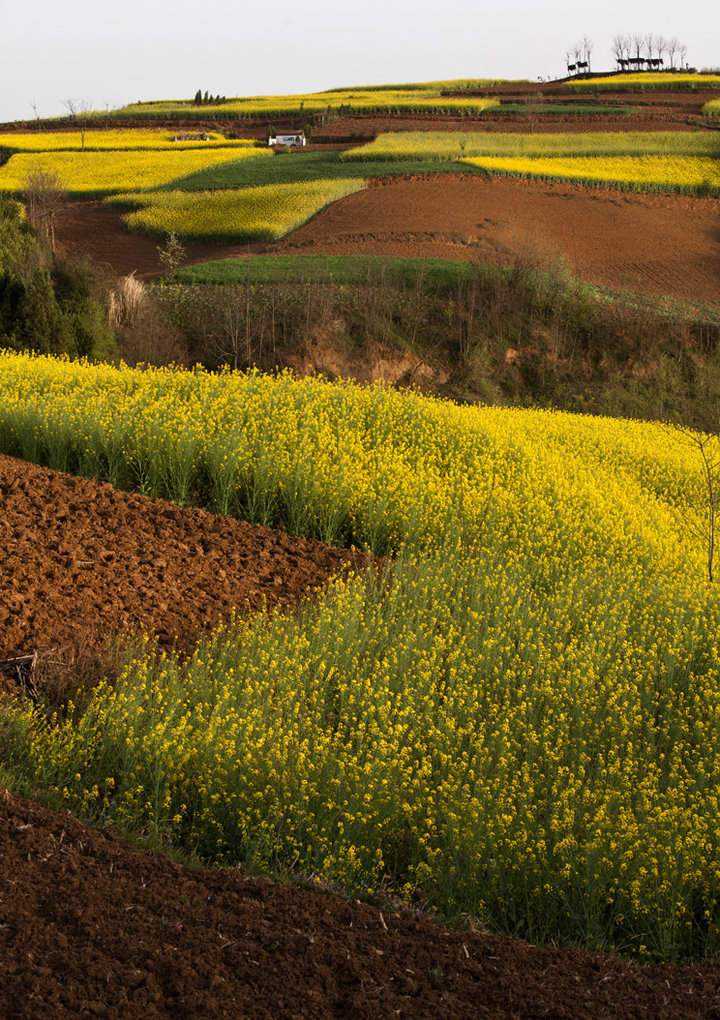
[(511, 720)]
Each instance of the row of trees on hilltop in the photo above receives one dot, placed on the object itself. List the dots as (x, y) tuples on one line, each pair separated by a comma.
[(202, 98), (633, 52)]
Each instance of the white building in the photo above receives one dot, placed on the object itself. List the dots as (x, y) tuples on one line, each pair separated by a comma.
[(298, 139)]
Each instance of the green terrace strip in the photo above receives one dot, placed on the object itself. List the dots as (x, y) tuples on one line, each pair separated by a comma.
[(432, 274), (340, 269), (295, 168), (250, 214), (642, 81), (546, 109), (94, 174), (453, 145), (519, 721), (685, 175), (417, 99)]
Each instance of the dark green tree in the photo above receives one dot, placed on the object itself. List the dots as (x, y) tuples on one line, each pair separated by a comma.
[(42, 327)]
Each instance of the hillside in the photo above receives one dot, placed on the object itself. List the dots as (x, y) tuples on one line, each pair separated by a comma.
[(406, 701)]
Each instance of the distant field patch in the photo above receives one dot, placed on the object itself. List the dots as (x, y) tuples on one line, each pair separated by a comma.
[(111, 140), (641, 81), (451, 145), (566, 109), (687, 175), (103, 173), (251, 214), (362, 100)]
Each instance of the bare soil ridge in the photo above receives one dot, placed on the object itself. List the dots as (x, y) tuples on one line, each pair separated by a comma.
[(93, 927), (81, 559)]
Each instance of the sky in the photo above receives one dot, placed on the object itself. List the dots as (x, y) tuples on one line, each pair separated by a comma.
[(103, 56)]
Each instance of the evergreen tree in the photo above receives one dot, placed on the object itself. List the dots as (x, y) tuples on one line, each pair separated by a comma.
[(12, 292), (42, 326)]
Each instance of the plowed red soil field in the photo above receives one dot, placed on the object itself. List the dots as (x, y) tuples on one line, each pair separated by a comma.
[(81, 560), (90, 926), (656, 244)]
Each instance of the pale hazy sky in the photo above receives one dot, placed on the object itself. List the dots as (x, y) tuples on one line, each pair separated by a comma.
[(110, 54)]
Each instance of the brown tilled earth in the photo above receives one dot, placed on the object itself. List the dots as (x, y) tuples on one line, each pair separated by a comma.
[(656, 244), (81, 560), (90, 926)]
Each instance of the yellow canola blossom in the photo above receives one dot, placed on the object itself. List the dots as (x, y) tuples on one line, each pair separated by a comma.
[(361, 100), (684, 174), (264, 213), (451, 145), (520, 720), (111, 139), (104, 173), (641, 80)]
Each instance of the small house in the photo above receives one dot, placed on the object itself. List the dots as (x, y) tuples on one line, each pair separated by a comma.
[(296, 139)]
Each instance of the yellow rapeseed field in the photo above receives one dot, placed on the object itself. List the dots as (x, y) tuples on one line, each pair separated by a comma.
[(361, 100), (712, 109), (685, 174), (519, 721), (103, 173), (262, 213), (640, 80), (110, 139), (452, 145)]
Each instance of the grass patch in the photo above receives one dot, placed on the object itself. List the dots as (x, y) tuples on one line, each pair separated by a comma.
[(297, 168)]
